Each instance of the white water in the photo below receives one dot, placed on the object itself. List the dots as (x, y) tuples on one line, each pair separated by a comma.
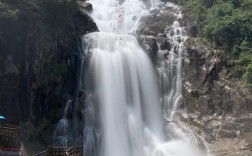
[(126, 85), (125, 95), (117, 15), (170, 70)]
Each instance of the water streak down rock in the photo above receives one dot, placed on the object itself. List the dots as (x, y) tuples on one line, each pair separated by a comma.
[(124, 88)]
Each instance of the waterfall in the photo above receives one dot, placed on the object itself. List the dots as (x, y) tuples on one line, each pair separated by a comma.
[(170, 70), (121, 111), (127, 94), (117, 15)]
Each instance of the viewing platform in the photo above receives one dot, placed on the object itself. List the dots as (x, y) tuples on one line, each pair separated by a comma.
[(10, 143), (62, 151)]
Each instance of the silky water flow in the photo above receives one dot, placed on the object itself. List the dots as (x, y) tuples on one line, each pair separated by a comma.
[(119, 113)]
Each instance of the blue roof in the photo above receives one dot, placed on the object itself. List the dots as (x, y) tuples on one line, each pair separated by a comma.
[(2, 117)]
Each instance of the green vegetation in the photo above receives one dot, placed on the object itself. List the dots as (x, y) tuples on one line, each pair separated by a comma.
[(6, 12), (228, 25)]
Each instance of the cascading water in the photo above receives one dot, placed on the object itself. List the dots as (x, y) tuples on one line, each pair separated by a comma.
[(121, 115), (127, 94), (117, 15), (170, 70), (62, 133)]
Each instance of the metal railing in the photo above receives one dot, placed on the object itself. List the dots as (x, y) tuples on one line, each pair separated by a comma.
[(9, 137), (9, 130), (62, 151)]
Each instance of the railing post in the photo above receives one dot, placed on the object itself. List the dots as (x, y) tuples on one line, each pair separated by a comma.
[(9, 135), (62, 151)]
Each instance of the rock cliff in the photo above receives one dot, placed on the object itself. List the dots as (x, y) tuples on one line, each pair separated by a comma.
[(39, 46), (218, 106), (38, 54), (39, 57)]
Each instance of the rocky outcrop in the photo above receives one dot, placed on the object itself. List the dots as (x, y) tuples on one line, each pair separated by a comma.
[(219, 107), (29, 51), (153, 29), (38, 58), (223, 105), (208, 81), (86, 6)]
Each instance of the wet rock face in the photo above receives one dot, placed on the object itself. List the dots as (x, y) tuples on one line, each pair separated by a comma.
[(84, 23), (153, 30), (226, 135), (25, 56), (156, 23), (207, 81), (223, 106), (219, 108), (86, 6)]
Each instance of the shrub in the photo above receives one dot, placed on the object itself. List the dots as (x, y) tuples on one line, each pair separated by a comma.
[(228, 24)]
